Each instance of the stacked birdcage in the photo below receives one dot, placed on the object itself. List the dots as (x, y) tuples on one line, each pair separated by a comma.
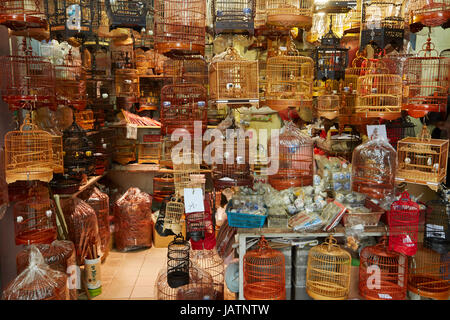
[(128, 13), (289, 13), (233, 16), (149, 150), (210, 261), (427, 80), (399, 129), (428, 13), (180, 26), (437, 225), (22, 14), (163, 187), (391, 269), (260, 14), (124, 151), (126, 86), (189, 69), (352, 20), (383, 23)]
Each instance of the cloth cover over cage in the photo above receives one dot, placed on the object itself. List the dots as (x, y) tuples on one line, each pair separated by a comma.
[(210, 261), (128, 13), (264, 273), (22, 14), (178, 263), (99, 201), (233, 16), (289, 13), (437, 226)]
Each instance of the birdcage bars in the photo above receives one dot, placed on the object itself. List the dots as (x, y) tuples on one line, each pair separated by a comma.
[(192, 70), (437, 226), (359, 68), (178, 262), (180, 26), (429, 13), (85, 119), (260, 14), (127, 84), (210, 261), (328, 106), (183, 167), (163, 186), (174, 212), (22, 14), (149, 152), (195, 226), (128, 13), (334, 6), (289, 13), (399, 129), (124, 151), (233, 16)]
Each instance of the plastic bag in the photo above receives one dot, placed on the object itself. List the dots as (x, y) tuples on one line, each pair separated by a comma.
[(99, 201), (38, 281), (132, 220)]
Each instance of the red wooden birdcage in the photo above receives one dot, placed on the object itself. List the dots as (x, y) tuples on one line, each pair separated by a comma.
[(22, 14), (163, 187), (383, 274), (428, 13), (264, 273), (427, 79), (180, 26), (99, 201), (190, 69), (399, 129), (403, 220)]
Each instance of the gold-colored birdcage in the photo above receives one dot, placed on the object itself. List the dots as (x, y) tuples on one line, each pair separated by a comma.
[(124, 151), (149, 152), (328, 271), (290, 13), (174, 212), (260, 14), (422, 160), (328, 105), (359, 68), (183, 167), (85, 119)]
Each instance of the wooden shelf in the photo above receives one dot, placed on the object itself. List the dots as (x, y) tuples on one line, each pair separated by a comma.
[(136, 167)]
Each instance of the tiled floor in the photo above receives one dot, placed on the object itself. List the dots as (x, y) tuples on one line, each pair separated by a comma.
[(131, 275)]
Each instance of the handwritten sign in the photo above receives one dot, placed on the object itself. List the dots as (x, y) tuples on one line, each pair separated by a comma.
[(193, 200)]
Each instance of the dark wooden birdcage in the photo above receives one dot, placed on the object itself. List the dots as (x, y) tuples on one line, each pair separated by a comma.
[(178, 262), (383, 24), (399, 129), (289, 13), (425, 13), (210, 261), (180, 26), (163, 186), (233, 16), (437, 226), (22, 14), (190, 69), (128, 13)]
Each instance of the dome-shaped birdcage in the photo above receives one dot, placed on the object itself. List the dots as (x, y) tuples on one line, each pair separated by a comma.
[(428, 275), (382, 273), (295, 159), (210, 261), (437, 226), (173, 213), (99, 201), (399, 129), (328, 271), (424, 13), (128, 13), (264, 273), (180, 26), (233, 17), (427, 80), (359, 67), (186, 69), (178, 263), (289, 13), (374, 166), (22, 14)]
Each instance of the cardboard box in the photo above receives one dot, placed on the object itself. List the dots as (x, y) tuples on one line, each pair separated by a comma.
[(163, 242)]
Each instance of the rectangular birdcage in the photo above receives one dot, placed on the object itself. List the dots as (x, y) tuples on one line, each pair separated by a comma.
[(22, 14), (148, 152), (260, 14), (124, 151), (183, 167), (233, 16), (127, 84), (289, 13), (128, 13), (85, 119), (192, 70)]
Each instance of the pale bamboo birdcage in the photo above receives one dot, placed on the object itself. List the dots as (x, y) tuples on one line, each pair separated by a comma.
[(148, 152), (328, 271), (429, 275), (192, 70), (422, 160), (391, 268), (180, 26), (289, 82), (437, 225), (260, 14), (128, 13), (427, 80), (124, 151), (289, 13), (347, 101), (328, 105), (174, 212), (233, 80), (425, 13), (85, 119), (210, 261), (234, 16), (264, 273), (352, 20), (22, 14), (359, 67), (183, 168)]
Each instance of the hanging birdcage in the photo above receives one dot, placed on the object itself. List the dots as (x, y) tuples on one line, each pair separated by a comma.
[(427, 80), (391, 270), (352, 20), (99, 201), (383, 24), (233, 80), (163, 186), (210, 261), (184, 168), (295, 159), (22, 14), (336, 6), (428, 275), (424, 13), (289, 13), (289, 82), (359, 67), (260, 14), (399, 129), (373, 168), (264, 273), (437, 226), (174, 212), (422, 160), (192, 70), (178, 262), (233, 16), (34, 221), (128, 13), (181, 106), (328, 105), (180, 26)]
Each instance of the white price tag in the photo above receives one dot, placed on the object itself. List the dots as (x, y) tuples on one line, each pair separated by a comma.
[(381, 131), (193, 200), (131, 131)]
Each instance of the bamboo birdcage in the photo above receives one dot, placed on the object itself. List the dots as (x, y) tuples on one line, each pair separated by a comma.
[(192, 70), (260, 14), (124, 151), (427, 80), (22, 14), (391, 270), (163, 186), (328, 271), (183, 168), (128, 13), (290, 13), (210, 261), (352, 21), (178, 263), (422, 160), (85, 119), (289, 82), (428, 13), (233, 16), (428, 275), (437, 226), (149, 152), (328, 105), (180, 26), (359, 68), (127, 84), (233, 80), (264, 273), (174, 212)]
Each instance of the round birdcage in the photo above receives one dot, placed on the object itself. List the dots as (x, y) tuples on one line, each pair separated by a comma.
[(178, 264), (174, 212), (186, 69), (289, 13), (234, 17), (295, 159), (210, 261), (391, 269), (359, 67), (428, 13), (99, 201), (328, 271), (128, 13), (328, 105), (437, 226), (22, 14)]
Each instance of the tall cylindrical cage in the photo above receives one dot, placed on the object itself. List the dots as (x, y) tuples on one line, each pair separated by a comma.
[(210, 261), (128, 13), (437, 226), (290, 13), (233, 16), (178, 263), (22, 14)]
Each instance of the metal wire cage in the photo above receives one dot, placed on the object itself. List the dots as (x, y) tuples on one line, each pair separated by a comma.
[(428, 275), (192, 70), (383, 23), (233, 80), (428, 13), (181, 106), (178, 263), (34, 221), (427, 80), (399, 129), (437, 226), (174, 212), (289, 82), (264, 273), (128, 13), (211, 262), (22, 14), (233, 16), (289, 13), (391, 273), (180, 26), (295, 159)]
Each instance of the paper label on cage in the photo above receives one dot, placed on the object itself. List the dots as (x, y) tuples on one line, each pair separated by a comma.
[(73, 17), (131, 132), (435, 231), (381, 129), (384, 296), (193, 200)]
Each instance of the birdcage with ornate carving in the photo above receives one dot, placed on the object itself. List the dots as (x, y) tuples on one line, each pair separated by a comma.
[(85, 119), (182, 105), (22, 14), (174, 212), (99, 201), (399, 129), (289, 82), (189, 69), (178, 263), (289, 13), (128, 13), (427, 80), (328, 105), (437, 226), (383, 274), (233, 16), (180, 26), (425, 13), (328, 271), (383, 24), (210, 261), (34, 221), (295, 159)]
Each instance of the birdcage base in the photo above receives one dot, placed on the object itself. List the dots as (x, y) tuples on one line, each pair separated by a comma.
[(437, 16), (429, 286), (389, 291), (40, 236), (221, 184), (331, 115), (19, 22), (279, 105), (289, 20), (41, 174), (419, 177), (332, 288), (286, 183), (379, 114), (177, 279), (421, 110), (264, 291), (179, 48)]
